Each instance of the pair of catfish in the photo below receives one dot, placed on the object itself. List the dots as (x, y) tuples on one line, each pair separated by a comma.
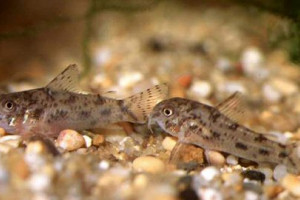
[(48, 110)]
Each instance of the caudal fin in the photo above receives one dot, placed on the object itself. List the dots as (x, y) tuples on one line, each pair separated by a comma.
[(140, 105)]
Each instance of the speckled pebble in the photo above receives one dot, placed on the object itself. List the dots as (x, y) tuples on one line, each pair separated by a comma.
[(70, 140), (168, 143), (148, 164)]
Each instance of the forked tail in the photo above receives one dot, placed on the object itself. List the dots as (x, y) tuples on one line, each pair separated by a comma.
[(138, 106)]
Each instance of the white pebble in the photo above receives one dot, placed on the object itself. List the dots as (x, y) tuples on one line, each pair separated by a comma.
[(231, 87), (148, 164), (252, 60), (284, 86), (232, 160), (201, 88), (128, 79), (70, 140), (104, 165), (279, 172), (251, 195), (39, 182), (168, 143), (224, 64), (209, 173), (270, 93), (5, 148), (88, 141), (209, 194)]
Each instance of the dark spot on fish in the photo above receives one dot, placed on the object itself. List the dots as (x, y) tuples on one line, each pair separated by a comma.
[(263, 152), (85, 114), (283, 154), (216, 134), (37, 113), (240, 145), (99, 100), (93, 123), (105, 111), (214, 116), (281, 145), (260, 138), (72, 99), (233, 126)]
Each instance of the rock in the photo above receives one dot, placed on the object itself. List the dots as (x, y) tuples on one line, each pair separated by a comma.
[(129, 79), (232, 160), (188, 153), (185, 80), (2, 132), (36, 147), (98, 139), (201, 89), (148, 164), (270, 93), (168, 143), (252, 60), (12, 140), (254, 175), (88, 141), (292, 184), (214, 157), (140, 181), (70, 140), (209, 173), (279, 172), (39, 182), (104, 165), (232, 86), (231, 179), (284, 86), (5, 148), (267, 172), (224, 64)]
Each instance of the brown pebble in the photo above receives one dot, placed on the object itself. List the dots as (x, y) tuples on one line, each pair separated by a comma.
[(98, 139), (187, 153), (185, 80), (2, 132)]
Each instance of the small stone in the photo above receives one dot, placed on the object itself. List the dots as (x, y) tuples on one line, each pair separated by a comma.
[(232, 160), (284, 86), (2, 132), (188, 154), (224, 64), (209, 193), (254, 175), (39, 182), (168, 143), (231, 87), (252, 60), (36, 147), (279, 172), (98, 139), (140, 181), (70, 140), (148, 164), (267, 172), (214, 157), (209, 173), (201, 89), (12, 140), (104, 165), (292, 184), (5, 148), (185, 80), (231, 179), (88, 141), (270, 93), (128, 79)]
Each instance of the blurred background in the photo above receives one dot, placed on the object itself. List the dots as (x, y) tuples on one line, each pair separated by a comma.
[(44, 35)]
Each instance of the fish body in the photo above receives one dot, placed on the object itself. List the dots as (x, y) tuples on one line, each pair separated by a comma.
[(58, 106), (208, 127)]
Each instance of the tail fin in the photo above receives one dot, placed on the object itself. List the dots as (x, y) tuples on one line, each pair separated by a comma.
[(292, 161), (139, 106)]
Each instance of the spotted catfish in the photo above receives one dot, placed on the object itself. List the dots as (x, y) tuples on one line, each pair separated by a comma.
[(59, 105), (215, 128)]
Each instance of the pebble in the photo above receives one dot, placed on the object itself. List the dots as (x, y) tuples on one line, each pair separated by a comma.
[(168, 143), (279, 172), (12, 140), (214, 157), (140, 181), (201, 89), (231, 87), (267, 172), (98, 139), (231, 179), (129, 79), (148, 164), (36, 147), (252, 60), (88, 141), (185, 80), (104, 165), (70, 140), (292, 184), (232, 160), (2, 132), (254, 175), (209, 173), (270, 93), (5, 148), (209, 194), (39, 182), (284, 86)]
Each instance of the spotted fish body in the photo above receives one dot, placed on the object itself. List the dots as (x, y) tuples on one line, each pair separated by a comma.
[(205, 126), (58, 106)]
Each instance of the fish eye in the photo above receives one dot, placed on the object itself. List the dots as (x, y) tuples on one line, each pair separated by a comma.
[(168, 112), (9, 105)]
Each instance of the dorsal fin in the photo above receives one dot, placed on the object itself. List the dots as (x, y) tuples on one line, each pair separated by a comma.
[(66, 80), (233, 107)]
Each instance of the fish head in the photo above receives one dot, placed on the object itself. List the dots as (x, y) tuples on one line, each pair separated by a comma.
[(14, 108), (169, 115)]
